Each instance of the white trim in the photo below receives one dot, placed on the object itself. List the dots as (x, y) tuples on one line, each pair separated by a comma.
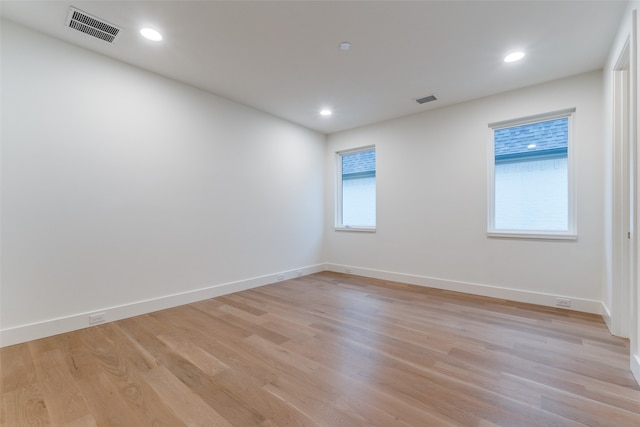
[(356, 150), (532, 235), (491, 184), (622, 167), (338, 190), (548, 300), (32, 331), (542, 117), (634, 293), (356, 229), (606, 316)]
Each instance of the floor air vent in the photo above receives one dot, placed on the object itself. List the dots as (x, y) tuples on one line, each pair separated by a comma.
[(78, 20), (426, 99)]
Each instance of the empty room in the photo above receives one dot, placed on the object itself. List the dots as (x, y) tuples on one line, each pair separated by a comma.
[(319, 213)]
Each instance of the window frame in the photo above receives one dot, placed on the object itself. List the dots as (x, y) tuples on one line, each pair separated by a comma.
[(338, 224), (572, 229)]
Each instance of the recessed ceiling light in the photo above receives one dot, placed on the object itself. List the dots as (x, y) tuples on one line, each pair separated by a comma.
[(326, 112), (345, 46), (514, 56), (151, 34)]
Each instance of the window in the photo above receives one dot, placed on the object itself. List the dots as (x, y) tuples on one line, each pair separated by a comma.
[(356, 189), (531, 183)]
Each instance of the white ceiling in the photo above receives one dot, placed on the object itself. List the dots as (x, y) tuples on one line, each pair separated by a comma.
[(284, 57)]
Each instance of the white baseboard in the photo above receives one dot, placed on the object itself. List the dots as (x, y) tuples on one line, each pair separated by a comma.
[(635, 366), (549, 300), (24, 333)]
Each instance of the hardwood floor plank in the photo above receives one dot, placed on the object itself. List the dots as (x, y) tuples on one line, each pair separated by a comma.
[(600, 415), (286, 327), (194, 354), (113, 411), (23, 406), (233, 302), (17, 368), (356, 368), (235, 411), (123, 365), (360, 399), (596, 397), (189, 407), (250, 328), (251, 390), (63, 397), (328, 350), (22, 400)]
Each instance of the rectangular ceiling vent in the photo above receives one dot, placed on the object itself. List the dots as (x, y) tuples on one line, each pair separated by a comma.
[(426, 99), (81, 21)]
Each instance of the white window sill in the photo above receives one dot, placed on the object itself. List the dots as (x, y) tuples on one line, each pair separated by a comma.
[(356, 229), (532, 235)]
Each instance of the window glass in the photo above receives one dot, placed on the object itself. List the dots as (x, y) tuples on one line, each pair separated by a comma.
[(531, 181), (356, 204)]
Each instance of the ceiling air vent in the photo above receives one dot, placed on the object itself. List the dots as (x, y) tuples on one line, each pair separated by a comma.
[(78, 20), (426, 99)]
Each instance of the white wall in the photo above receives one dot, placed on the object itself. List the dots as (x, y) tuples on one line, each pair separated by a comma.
[(128, 192), (432, 202)]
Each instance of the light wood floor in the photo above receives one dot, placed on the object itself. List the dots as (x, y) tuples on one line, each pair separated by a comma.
[(328, 350)]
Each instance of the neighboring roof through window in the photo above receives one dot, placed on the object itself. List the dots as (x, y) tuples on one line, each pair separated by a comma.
[(532, 139), (359, 165)]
